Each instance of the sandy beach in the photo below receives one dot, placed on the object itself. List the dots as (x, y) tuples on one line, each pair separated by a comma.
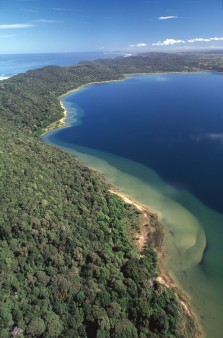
[(143, 239), (61, 122)]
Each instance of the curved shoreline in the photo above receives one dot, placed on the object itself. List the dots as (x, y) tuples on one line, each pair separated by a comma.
[(61, 122), (164, 277)]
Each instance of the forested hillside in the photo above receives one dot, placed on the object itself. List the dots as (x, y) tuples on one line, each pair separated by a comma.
[(68, 268), (166, 62), (30, 101)]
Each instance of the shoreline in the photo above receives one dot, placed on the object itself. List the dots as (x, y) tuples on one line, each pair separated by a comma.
[(148, 225), (167, 73), (164, 277), (61, 122)]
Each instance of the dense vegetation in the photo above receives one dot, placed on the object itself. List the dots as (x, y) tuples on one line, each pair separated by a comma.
[(68, 269), (30, 100), (166, 62)]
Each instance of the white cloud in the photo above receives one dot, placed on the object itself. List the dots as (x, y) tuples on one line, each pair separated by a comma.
[(62, 9), (30, 10), (167, 17), (16, 26), (199, 40), (216, 39), (139, 45), (46, 21), (168, 42), (7, 36), (205, 39)]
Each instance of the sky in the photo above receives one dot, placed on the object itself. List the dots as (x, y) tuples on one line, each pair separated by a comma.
[(130, 26)]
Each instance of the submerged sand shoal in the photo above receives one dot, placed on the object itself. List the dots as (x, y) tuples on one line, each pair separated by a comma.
[(184, 242), (164, 277)]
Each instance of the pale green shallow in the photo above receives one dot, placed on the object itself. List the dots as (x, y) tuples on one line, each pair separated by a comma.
[(185, 239)]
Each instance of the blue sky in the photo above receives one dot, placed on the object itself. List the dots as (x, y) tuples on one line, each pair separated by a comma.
[(35, 26)]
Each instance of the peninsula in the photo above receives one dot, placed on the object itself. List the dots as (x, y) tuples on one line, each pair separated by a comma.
[(70, 264)]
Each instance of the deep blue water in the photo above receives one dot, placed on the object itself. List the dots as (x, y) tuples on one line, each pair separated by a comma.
[(13, 64), (170, 123)]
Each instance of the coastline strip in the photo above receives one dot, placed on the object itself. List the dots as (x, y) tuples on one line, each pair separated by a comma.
[(164, 276), (61, 122)]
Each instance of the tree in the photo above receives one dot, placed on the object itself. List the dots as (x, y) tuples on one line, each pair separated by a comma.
[(36, 327), (123, 329), (54, 326)]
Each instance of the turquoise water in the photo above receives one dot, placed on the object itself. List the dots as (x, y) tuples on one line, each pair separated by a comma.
[(159, 139)]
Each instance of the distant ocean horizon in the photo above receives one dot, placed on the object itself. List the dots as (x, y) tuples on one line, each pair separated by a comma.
[(13, 64)]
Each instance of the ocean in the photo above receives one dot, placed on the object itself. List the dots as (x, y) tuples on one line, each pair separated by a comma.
[(159, 139), (12, 64)]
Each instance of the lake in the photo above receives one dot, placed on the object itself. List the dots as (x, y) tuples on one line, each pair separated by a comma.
[(159, 138)]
